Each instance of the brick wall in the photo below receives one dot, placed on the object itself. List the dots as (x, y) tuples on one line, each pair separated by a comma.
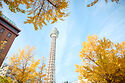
[(4, 37)]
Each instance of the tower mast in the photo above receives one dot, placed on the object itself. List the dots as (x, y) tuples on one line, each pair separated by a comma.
[(51, 65)]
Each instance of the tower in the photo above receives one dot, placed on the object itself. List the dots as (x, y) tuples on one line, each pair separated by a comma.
[(51, 66), (8, 33)]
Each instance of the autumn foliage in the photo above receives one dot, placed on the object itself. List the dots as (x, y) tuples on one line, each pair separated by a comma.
[(42, 11), (39, 12), (102, 61), (23, 67), (6, 80), (95, 1)]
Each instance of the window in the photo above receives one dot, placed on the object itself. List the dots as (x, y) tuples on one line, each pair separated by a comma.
[(2, 30), (9, 34)]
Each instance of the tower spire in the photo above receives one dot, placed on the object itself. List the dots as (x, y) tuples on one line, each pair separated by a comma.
[(51, 65)]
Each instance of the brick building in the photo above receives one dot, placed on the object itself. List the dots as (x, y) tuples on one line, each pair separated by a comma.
[(8, 32)]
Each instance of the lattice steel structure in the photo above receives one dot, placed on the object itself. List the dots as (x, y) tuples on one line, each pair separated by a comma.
[(51, 65)]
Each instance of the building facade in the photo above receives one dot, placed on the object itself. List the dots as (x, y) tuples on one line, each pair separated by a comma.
[(51, 65), (8, 32)]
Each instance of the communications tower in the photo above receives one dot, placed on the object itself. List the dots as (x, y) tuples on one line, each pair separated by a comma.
[(51, 65)]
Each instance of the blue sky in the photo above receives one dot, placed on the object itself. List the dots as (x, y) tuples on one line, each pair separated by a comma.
[(104, 20)]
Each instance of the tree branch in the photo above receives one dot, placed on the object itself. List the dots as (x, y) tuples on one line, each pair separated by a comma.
[(52, 3)]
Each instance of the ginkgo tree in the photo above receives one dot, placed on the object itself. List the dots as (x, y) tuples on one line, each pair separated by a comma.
[(6, 80), (96, 1), (102, 61), (23, 66), (42, 73), (39, 12)]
